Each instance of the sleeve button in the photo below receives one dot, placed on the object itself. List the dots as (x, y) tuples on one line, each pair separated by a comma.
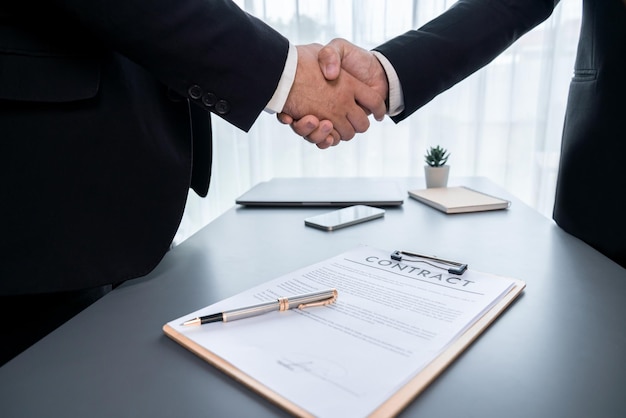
[(209, 100), (195, 92), (222, 107)]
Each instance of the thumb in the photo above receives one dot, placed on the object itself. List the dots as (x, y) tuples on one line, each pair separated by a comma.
[(329, 58)]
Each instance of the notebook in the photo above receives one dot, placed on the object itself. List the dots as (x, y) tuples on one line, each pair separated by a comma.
[(459, 199), (324, 191)]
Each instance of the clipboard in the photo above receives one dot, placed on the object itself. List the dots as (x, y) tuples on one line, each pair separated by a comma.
[(394, 403), (400, 400)]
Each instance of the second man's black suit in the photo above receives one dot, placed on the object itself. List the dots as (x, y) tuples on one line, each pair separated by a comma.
[(590, 197)]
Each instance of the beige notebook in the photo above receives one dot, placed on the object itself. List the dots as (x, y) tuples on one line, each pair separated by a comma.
[(459, 199)]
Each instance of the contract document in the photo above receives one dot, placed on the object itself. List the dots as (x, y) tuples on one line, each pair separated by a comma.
[(393, 328)]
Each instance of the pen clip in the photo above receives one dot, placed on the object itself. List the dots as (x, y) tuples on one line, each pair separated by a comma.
[(322, 302), (454, 267)]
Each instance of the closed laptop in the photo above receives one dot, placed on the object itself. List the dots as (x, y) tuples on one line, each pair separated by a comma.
[(324, 191)]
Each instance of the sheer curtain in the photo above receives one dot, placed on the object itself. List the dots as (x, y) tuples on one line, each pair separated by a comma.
[(503, 122)]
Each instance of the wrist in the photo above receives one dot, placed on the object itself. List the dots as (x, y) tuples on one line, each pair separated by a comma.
[(279, 99), (394, 99)]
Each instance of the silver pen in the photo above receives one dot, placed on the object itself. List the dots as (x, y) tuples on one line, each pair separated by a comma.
[(308, 300)]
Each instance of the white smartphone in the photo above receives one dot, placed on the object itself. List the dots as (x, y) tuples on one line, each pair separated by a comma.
[(344, 217)]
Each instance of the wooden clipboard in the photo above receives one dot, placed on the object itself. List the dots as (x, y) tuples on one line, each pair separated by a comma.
[(394, 404), (398, 401)]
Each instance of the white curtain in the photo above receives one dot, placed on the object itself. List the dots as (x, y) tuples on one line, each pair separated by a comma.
[(503, 122)]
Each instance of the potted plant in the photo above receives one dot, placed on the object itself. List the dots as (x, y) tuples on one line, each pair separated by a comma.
[(436, 170)]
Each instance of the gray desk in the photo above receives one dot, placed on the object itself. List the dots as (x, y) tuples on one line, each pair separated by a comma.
[(559, 351)]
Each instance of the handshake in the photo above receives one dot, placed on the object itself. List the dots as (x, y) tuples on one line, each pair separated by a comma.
[(331, 105)]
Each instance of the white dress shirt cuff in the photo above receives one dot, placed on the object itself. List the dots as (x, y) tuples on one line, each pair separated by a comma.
[(277, 102), (396, 99)]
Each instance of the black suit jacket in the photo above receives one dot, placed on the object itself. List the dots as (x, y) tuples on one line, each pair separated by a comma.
[(104, 105), (590, 195)]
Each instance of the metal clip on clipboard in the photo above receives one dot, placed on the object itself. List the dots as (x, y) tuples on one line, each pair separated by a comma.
[(456, 268)]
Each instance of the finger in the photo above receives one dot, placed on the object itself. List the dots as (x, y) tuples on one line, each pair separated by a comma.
[(306, 125), (284, 118), (327, 143), (347, 128), (332, 140), (356, 115), (321, 133), (330, 57), (359, 121), (371, 101)]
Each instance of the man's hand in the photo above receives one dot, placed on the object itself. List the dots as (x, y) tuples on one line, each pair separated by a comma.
[(342, 104), (339, 55)]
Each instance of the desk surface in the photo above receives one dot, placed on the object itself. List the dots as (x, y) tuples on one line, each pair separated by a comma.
[(557, 352)]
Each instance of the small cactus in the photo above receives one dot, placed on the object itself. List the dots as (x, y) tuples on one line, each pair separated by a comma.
[(436, 156)]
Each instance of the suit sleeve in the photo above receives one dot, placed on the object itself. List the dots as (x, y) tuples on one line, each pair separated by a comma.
[(209, 51), (454, 45)]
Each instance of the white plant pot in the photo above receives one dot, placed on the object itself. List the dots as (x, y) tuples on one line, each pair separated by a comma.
[(436, 176)]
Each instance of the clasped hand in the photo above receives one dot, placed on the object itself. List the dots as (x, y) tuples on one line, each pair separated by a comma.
[(331, 105)]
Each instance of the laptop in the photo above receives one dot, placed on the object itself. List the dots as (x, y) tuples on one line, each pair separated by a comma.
[(323, 191)]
